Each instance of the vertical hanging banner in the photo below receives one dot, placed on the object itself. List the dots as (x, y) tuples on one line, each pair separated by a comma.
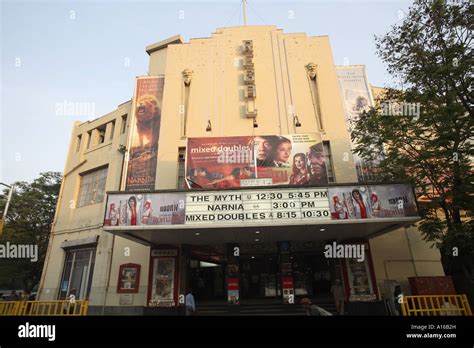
[(357, 98), (145, 133)]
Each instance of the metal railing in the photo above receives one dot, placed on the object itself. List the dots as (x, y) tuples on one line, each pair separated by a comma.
[(45, 308), (435, 305)]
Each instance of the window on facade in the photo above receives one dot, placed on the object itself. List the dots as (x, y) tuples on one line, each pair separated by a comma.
[(181, 168), (89, 139), (101, 131), (328, 158), (124, 124), (77, 273), (92, 187), (78, 142), (112, 129)]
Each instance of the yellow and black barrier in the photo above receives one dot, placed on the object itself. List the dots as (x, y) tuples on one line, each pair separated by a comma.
[(435, 305), (44, 308)]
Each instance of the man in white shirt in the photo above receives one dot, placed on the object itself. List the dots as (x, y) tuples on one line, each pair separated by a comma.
[(190, 303)]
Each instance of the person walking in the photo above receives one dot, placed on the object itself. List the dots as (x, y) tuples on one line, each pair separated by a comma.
[(397, 299), (309, 307), (338, 292), (190, 303)]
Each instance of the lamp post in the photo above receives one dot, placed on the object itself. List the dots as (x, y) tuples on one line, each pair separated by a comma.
[(2, 221)]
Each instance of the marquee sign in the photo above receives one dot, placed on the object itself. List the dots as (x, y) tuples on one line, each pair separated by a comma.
[(257, 206), (287, 205)]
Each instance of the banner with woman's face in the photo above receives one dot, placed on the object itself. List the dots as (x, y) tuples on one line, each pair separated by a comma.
[(261, 160)]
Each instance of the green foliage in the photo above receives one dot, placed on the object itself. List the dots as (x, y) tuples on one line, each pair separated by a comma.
[(430, 53), (28, 221)]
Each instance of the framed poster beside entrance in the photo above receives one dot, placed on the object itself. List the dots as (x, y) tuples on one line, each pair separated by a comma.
[(163, 282), (129, 278)]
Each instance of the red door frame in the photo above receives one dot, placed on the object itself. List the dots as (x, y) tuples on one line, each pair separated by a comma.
[(176, 271), (371, 269)]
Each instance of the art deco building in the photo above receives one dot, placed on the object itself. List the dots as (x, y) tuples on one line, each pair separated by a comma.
[(231, 173)]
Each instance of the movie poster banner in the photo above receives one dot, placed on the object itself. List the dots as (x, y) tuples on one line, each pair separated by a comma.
[(357, 98), (144, 135), (366, 202), (293, 159), (355, 92), (145, 209), (162, 293), (358, 278)]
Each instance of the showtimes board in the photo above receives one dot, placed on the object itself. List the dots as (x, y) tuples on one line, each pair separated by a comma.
[(257, 206)]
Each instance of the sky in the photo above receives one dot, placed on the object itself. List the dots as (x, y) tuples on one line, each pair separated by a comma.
[(90, 51)]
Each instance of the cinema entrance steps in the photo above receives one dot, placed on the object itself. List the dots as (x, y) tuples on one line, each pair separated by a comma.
[(259, 307)]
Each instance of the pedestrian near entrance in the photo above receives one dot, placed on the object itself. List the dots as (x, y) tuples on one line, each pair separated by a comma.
[(190, 303), (309, 307), (338, 292), (397, 299)]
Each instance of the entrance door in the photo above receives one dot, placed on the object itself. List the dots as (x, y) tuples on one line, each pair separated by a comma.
[(259, 276), (312, 275), (207, 280)]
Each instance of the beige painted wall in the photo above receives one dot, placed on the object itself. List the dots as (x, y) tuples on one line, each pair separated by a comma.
[(401, 254), (217, 92), (126, 251), (72, 222)]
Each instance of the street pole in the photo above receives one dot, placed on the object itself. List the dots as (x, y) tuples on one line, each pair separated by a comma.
[(4, 216)]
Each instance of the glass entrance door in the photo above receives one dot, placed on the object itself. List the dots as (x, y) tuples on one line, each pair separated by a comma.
[(207, 280), (259, 276)]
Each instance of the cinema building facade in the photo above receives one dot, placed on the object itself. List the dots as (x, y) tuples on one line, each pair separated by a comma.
[(230, 172)]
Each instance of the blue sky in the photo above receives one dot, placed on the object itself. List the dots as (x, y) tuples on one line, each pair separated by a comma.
[(90, 52)]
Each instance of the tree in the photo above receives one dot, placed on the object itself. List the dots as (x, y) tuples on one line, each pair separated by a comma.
[(430, 55), (28, 222)]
